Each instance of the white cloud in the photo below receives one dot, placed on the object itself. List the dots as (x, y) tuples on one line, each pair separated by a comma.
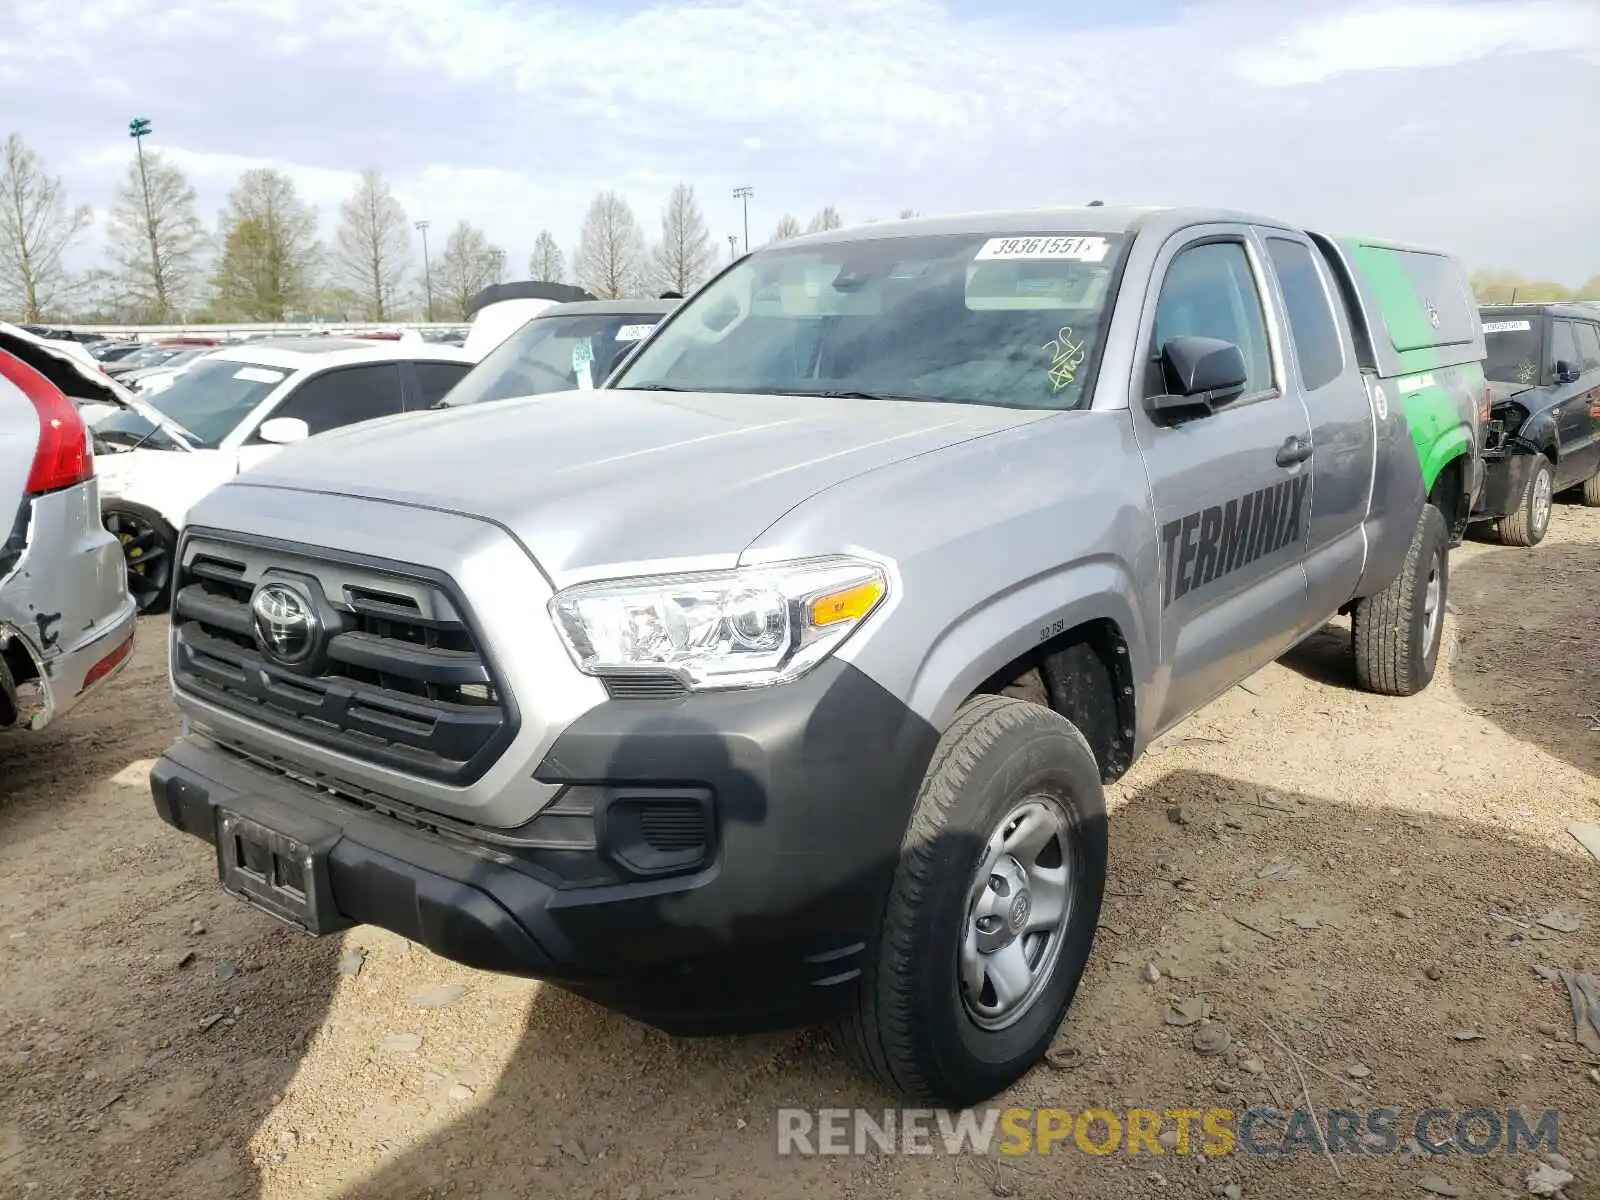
[(1420, 36), (512, 115)]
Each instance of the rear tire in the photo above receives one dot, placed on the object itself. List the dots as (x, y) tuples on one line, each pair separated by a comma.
[(1528, 525), (1395, 634), (1591, 491), (149, 548), (940, 1016)]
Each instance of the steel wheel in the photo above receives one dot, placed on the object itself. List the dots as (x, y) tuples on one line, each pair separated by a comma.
[(147, 555), (1017, 910), (1432, 603), (1539, 503)]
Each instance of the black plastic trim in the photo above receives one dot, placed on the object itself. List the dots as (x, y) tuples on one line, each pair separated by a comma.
[(812, 782), (506, 711)]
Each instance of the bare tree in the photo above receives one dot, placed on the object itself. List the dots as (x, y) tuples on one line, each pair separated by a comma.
[(828, 218), (36, 229), (907, 213), (270, 254), (470, 264), (372, 249), (683, 259), (157, 245), (548, 264), (787, 228), (611, 255)]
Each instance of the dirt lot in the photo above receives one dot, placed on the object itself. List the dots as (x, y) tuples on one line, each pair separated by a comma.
[(1364, 874)]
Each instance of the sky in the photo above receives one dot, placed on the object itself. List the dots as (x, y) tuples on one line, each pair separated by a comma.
[(1473, 126)]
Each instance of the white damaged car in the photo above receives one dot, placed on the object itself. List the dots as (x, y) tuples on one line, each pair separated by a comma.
[(235, 408)]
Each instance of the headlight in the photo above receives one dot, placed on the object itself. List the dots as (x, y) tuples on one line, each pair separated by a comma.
[(741, 628)]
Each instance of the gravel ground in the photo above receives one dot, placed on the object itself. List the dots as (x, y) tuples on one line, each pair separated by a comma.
[(1358, 878)]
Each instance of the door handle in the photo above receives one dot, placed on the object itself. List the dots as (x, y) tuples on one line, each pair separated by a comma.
[(1294, 450)]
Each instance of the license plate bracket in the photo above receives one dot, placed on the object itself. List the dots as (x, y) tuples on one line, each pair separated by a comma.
[(280, 867)]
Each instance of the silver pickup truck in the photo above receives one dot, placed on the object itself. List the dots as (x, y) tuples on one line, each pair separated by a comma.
[(66, 619), (776, 681)]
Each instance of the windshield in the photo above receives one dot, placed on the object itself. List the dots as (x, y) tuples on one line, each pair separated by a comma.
[(553, 354), (1014, 321), (207, 401), (1513, 351)]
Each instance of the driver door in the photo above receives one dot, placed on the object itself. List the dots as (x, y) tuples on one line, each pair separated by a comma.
[(1231, 490)]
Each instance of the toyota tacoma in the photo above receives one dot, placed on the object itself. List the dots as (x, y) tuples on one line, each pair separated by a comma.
[(776, 682)]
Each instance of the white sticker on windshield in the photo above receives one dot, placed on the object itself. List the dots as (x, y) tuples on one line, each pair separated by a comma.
[(634, 333), (1045, 247), (1506, 326), (258, 375)]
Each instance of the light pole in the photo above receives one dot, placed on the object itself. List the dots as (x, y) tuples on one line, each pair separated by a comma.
[(744, 193), (427, 269), (138, 130), (733, 247)]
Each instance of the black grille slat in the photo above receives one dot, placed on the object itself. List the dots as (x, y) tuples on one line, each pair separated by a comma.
[(403, 683), (423, 663), (643, 687)]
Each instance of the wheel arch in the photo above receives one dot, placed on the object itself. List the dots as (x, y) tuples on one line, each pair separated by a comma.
[(1080, 629)]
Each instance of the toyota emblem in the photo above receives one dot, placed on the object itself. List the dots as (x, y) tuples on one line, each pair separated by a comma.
[(286, 624)]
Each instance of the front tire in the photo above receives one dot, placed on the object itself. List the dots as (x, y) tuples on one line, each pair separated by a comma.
[(1395, 634), (1528, 525), (993, 911), (149, 548)]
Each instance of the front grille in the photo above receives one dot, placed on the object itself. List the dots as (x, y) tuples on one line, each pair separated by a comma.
[(400, 682)]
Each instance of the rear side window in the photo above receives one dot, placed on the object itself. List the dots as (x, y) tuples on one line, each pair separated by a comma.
[(1563, 343), (1589, 346), (1211, 292), (1424, 298), (1316, 337), (434, 379), (344, 396)]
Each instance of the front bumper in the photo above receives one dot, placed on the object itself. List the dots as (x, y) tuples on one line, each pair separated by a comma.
[(757, 917), (1505, 480)]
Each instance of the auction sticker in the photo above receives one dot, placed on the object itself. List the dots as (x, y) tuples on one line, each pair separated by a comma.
[(1506, 326), (1044, 247), (258, 375), (634, 333)]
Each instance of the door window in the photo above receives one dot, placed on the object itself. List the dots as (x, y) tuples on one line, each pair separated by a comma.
[(344, 396), (1563, 344), (1316, 337), (1211, 292), (1589, 346), (434, 379)]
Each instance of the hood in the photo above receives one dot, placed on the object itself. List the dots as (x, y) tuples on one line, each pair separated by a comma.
[(1508, 391), (84, 383), (595, 480)]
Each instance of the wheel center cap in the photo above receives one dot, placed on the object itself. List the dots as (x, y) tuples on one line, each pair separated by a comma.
[(1021, 906)]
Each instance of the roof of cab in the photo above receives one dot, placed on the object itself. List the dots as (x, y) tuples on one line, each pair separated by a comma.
[(299, 354), (1578, 311), (1098, 218), (581, 308)]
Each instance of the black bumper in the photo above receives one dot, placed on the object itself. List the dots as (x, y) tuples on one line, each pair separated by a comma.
[(806, 790), (1505, 479)]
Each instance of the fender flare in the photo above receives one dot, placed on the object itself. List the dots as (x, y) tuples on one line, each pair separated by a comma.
[(1005, 627)]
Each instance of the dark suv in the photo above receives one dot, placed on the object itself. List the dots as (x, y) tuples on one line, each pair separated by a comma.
[(1543, 435)]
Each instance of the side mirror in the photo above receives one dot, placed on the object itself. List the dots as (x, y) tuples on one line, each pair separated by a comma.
[(1202, 374), (283, 430), (1566, 371)]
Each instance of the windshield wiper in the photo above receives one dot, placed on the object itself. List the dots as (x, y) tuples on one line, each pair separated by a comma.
[(654, 387), (854, 394)]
